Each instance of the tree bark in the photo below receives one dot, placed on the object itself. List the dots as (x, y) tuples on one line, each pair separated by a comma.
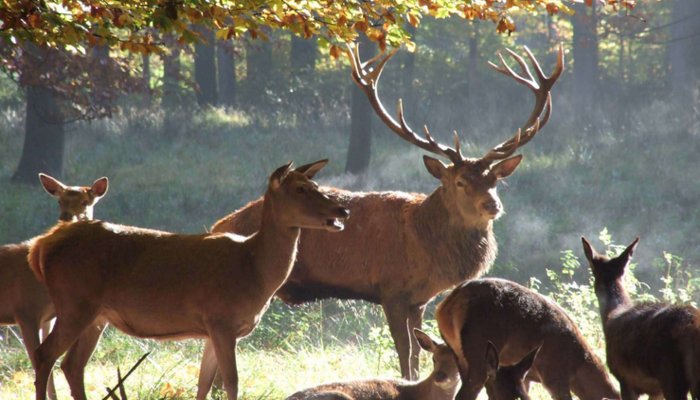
[(258, 66), (303, 55), (227, 73), (205, 69), (683, 70), (146, 75), (360, 148), (171, 78), (585, 49), (44, 138)]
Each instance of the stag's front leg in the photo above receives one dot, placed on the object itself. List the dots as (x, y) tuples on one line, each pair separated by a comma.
[(223, 337), (415, 321), (207, 371), (397, 315)]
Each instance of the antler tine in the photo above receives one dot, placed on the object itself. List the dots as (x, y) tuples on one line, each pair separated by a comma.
[(503, 150), (457, 148), (367, 81)]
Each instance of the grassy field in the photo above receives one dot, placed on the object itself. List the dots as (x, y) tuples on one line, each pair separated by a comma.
[(640, 182)]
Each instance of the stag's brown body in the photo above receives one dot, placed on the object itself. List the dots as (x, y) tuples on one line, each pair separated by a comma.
[(516, 320), (652, 348), (23, 299)]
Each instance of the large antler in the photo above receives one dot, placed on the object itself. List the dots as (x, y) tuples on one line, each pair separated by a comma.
[(543, 100), (367, 81)]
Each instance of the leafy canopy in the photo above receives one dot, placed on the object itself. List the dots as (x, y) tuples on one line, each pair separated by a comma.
[(124, 23)]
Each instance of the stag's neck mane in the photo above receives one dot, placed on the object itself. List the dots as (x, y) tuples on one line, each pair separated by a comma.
[(276, 247), (465, 250)]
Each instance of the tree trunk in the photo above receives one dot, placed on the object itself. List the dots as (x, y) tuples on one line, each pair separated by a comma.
[(258, 69), (146, 74), (408, 74), (205, 69), (171, 78), (227, 73), (585, 49), (303, 55), (44, 138), (360, 148), (682, 75)]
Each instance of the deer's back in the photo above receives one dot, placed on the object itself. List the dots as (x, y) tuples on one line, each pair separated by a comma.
[(378, 255), (20, 290), (368, 389), (646, 339)]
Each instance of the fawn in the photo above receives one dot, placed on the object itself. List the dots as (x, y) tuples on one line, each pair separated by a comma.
[(652, 348)]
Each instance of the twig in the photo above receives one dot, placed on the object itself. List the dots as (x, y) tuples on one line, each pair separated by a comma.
[(120, 381)]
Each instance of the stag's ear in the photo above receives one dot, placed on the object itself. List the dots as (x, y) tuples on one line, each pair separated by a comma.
[(629, 251), (506, 167), (525, 364), (436, 167), (51, 185), (311, 169), (589, 251), (280, 173), (99, 188), (425, 341), (492, 361)]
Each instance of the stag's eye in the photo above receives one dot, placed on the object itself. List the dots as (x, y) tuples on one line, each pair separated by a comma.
[(460, 183), (301, 190)]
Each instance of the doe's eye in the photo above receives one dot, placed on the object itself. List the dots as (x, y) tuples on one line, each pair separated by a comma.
[(460, 184), (301, 190)]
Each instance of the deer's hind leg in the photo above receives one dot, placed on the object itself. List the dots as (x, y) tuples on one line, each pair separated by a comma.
[(79, 354), (45, 330)]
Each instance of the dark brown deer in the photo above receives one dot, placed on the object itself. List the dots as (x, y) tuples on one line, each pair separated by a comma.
[(405, 248), (516, 320), (160, 285), (23, 299), (508, 382), (652, 348), (441, 384)]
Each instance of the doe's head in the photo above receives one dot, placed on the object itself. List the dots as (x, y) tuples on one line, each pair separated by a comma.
[(445, 373), (507, 383), (76, 202), (608, 270), (299, 202)]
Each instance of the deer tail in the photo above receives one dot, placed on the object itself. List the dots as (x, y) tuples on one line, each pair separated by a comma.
[(35, 259)]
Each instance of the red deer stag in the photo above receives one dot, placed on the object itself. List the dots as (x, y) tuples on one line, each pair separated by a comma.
[(23, 299), (516, 320), (507, 383), (405, 248), (440, 385), (652, 348), (218, 285)]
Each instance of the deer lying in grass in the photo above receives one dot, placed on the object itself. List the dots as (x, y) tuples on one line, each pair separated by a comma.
[(516, 320), (405, 248), (23, 299), (507, 383), (159, 285), (440, 385), (652, 348)]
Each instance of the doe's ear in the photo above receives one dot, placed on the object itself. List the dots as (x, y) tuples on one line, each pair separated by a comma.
[(589, 251), (492, 361), (280, 173), (506, 167), (99, 187), (436, 167), (525, 364), (629, 251), (311, 169), (52, 186), (425, 341)]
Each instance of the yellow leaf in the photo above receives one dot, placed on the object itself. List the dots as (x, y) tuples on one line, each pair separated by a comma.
[(221, 33), (413, 20), (411, 47)]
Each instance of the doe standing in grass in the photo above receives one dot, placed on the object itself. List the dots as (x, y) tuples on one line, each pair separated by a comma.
[(652, 348), (159, 285)]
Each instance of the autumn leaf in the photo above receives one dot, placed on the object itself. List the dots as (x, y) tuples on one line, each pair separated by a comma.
[(413, 20), (335, 52)]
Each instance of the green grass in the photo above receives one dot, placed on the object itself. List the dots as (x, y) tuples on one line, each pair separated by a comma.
[(640, 182)]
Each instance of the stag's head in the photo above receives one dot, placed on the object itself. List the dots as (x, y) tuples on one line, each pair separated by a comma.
[(469, 184), (445, 373), (298, 201), (76, 202)]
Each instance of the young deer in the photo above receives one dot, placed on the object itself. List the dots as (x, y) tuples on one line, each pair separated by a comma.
[(516, 320), (23, 299), (440, 385), (159, 285), (406, 248), (652, 348), (507, 383)]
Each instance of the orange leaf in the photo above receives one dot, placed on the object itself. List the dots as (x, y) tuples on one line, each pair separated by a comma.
[(335, 52)]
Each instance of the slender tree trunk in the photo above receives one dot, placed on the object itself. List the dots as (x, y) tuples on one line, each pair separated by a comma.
[(227, 73), (171, 78), (303, 56), (360, 148), (146, 74), (585, 48), (258, 69), (682, 68), (205, 69), (44, 138)]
